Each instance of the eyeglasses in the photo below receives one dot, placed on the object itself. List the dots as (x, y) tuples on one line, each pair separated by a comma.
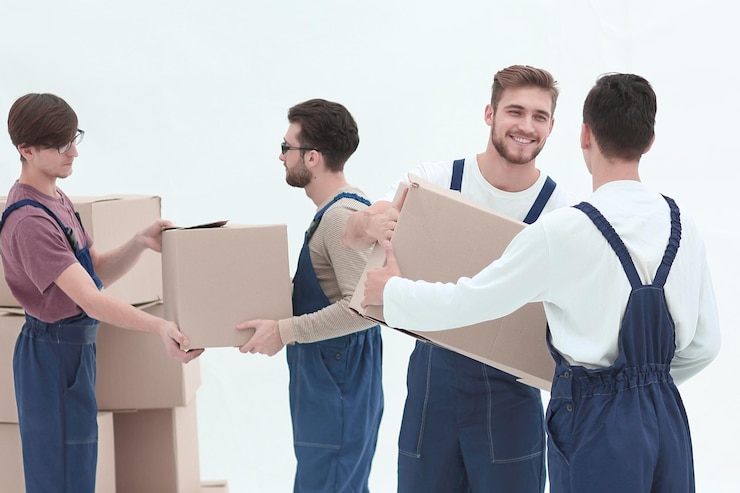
[(76, 141), (285, 148)]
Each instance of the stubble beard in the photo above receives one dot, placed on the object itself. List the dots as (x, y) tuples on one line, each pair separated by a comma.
[(499, 143), (299, 177)]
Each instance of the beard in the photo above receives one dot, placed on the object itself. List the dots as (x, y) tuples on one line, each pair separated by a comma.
[(499, 143), (298, 177)]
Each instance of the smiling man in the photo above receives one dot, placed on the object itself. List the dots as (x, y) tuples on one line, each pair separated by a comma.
[(467, 426)]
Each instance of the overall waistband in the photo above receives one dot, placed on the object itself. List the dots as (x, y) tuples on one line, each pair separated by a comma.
[(573, 382), (79, 329)]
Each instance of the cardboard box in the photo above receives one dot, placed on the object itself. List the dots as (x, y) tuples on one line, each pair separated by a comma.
[(442, 236), (11, 457), (111, 221), (157, 451), (214, 487), (135, 372), (215, 278), (10, 327)]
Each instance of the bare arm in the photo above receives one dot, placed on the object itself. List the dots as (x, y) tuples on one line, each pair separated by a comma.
[(365, 227), (113, 264), (79, 286)]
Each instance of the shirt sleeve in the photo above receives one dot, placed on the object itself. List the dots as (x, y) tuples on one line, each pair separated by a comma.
[(520, 276), (42, 250), (705, 344), (338, 270)]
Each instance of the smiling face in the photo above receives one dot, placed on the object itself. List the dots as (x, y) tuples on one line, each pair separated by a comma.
[(521, 123)]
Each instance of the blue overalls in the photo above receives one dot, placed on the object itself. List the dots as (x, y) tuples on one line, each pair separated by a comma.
[(336, 393), (468, 427), (54, 374), (624, 428)]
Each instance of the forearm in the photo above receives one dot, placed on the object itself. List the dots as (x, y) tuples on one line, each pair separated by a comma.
[(114, 264), (335, 320)]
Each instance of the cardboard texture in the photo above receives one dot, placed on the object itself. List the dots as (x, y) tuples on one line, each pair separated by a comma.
[(11, 458), (111, 221), (157, 451), (214, 487), (10, 327), (442, 236), (215, 278), (135, 372)]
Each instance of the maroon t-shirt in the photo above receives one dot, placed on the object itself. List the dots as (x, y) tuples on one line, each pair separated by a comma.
[(35, 252)]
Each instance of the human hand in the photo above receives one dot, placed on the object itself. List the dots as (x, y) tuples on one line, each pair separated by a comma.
[(266, 338), (173, 339), (152, 235), (378, 278)]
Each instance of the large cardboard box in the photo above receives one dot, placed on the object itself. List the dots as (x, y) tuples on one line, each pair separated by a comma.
[(10, 327), (442, 236), (217, 277), (111, 221), (135, 372), (11, 458), (157, 451)]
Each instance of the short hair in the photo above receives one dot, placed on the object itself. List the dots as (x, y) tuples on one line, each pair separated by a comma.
[(620, 110), (328, 127), (517, 76), (41, 120)]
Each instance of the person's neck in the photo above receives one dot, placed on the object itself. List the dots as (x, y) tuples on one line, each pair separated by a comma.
[(43, 183), (504, 175), (325, 186), (608, 170)]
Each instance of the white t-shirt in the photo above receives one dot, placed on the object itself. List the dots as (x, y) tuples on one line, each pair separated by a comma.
[(564, 261), (476, 188)]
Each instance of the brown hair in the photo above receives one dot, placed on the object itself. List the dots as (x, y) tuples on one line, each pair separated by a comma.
[(517, 76), (327, 127), (620, 110), (41, 120)]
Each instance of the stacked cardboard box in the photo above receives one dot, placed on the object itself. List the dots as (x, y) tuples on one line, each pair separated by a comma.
[(215, 278)]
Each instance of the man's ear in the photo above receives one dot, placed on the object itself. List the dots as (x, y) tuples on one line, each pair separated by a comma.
[(25, 151), (488, 115), (586, 137)]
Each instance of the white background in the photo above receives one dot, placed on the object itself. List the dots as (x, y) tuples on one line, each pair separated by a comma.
[(188, 100)]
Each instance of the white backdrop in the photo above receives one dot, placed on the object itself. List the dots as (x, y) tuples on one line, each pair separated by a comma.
[(188, 100)]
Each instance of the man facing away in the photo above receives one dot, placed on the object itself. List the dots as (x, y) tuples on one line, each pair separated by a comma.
[(56, 274), (629, 301), (336, 395), (467, 426)]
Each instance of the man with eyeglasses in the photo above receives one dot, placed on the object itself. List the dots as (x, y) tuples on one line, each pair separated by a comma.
[(56, 274), (467, 426), (334, 355)]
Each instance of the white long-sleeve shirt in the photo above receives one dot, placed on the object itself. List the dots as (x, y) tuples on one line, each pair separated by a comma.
[(564, 261)]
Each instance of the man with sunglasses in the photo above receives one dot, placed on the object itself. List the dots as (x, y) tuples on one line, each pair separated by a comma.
[(334, 355), (467, 426), (56, 274)]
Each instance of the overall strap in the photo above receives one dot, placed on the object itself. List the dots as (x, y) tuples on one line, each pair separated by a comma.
[(541, 201), (673, 243), (320, 213), (457, 174), (614, 240), (66, 230)]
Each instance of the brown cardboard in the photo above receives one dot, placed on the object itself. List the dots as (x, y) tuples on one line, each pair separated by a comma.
[(111, 221), (11, 457), (215, 278), (157, 451), (135, 371), (214, 487), (442, 236), (10, 327)]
